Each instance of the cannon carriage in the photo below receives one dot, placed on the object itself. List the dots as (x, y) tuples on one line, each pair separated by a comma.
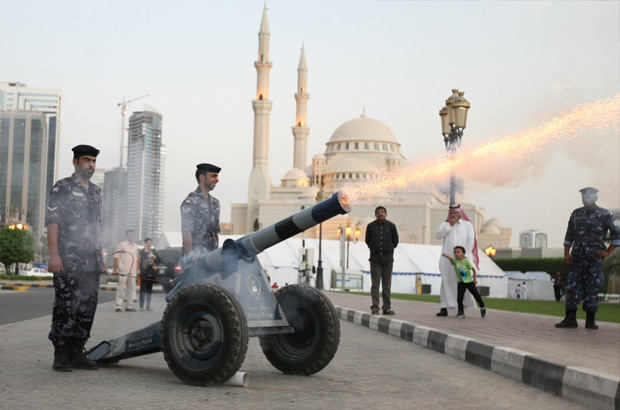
[(223, 298)]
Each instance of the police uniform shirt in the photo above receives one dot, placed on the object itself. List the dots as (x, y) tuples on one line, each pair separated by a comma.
[(201, 217), (76, 209), (587, 230)]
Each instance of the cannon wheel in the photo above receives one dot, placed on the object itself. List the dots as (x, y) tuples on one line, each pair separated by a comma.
[(204, 335), (316, 337)]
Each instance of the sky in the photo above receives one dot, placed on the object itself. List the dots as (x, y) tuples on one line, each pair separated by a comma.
[(520, 63)]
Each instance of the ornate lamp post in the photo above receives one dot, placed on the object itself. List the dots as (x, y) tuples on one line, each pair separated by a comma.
[(341, 239), (453, 122), (490, 251), (320, 196), (356, 235)]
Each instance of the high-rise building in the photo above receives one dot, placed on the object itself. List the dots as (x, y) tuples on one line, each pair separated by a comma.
[(18, 96), (145, 175), (114, 210), (23, 155)]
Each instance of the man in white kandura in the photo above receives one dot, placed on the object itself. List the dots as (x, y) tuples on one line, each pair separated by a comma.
[(456, 230)]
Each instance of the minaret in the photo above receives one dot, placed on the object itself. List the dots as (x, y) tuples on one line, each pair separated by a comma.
[(260, 183), (300, 129)]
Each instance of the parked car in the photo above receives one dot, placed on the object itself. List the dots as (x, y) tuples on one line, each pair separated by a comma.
[(169, 267), (38, 272)]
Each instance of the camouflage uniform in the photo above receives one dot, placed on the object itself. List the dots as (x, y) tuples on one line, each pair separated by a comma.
[(77, 212), (201, 217), (586, 234)]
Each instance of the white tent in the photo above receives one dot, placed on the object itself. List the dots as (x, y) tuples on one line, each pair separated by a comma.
[(410, 262), (539, 284)]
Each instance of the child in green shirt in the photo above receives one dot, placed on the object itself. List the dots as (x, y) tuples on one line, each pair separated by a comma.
[(463, 268)]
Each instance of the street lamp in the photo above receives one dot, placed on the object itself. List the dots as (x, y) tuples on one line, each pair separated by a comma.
[(320, 196), (490, 251), (341, 233), (453, 122), (356, 234)]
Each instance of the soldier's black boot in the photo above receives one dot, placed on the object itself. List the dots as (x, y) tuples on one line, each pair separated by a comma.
[(590, 323), (570, 321), (62, 363), (78, 356)]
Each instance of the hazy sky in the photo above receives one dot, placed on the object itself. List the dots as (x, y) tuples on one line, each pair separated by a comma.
[(520, 64)]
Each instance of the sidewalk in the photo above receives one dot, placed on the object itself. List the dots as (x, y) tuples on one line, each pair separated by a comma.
[(578, 364)]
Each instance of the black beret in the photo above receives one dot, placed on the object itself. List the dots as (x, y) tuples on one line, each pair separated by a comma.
[(588, 191), (80, 150), (208, 168)]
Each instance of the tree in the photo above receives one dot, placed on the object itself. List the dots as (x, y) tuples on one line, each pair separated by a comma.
[(16, 246)]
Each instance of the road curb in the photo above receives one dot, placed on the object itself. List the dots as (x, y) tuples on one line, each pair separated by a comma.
[(578, 384), (16, 285)]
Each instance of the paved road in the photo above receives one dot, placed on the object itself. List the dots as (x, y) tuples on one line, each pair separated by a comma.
[(33, 303), (370, 371)]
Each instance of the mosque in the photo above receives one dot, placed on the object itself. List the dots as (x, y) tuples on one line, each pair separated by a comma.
[(358, 151)]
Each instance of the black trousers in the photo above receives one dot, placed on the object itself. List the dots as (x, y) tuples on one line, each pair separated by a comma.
[(75, 303), (461, 287)]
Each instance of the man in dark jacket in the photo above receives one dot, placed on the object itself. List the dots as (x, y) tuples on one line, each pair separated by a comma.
[(381, 238)]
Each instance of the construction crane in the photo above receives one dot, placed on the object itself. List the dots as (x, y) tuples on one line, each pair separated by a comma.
[(123, 105)]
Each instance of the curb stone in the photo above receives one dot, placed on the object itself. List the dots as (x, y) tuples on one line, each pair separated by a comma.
[(577, 384)]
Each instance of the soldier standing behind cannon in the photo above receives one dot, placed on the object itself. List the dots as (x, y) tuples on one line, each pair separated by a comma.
[(587, 228), (200, 213), (73, 221)]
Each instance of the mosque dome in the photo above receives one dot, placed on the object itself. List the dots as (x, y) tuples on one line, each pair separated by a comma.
[(493, 222), (492, 226), (294, 175), (295, 178), (352, 164), (363, 129), (319, 156)]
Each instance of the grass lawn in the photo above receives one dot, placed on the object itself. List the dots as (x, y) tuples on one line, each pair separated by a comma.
[(607, 312)]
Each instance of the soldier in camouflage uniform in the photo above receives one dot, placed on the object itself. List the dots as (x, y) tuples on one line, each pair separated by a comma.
[(200, 213), (73, 220), (587, 228)]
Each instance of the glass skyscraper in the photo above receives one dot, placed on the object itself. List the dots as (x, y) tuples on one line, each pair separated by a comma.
[(145, 175), (23, 155), (19, 96)]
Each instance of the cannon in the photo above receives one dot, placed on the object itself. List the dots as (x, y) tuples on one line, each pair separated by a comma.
[(222, 298)]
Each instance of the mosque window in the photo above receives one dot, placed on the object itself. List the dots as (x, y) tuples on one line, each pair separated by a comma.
[(384, 147), (339, 146), (357, 176), (391, 147), (261, 57), (344, 176), (350, 176), (346, 146), (299, 123), (366, 145), (260, 97), (357, 146), (376, 146)]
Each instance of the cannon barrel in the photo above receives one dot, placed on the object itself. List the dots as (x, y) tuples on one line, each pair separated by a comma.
[(256, 242)]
